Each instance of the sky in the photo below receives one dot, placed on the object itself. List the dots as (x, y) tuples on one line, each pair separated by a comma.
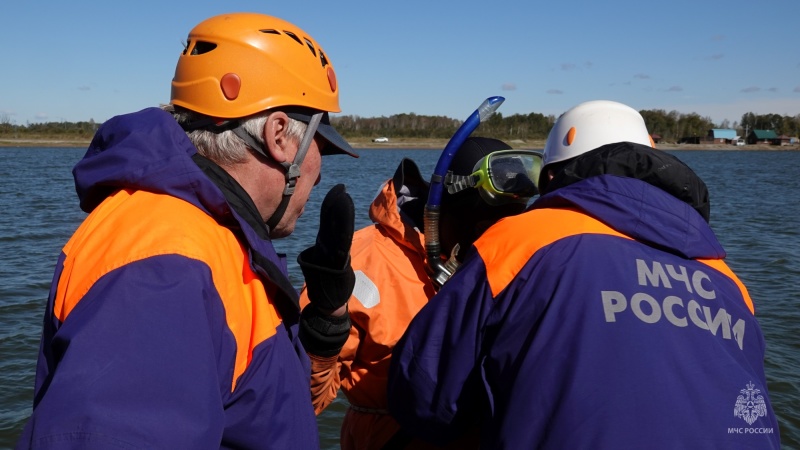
[(90, 60)]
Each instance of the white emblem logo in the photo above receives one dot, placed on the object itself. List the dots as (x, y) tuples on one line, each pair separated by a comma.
[(750, 406)]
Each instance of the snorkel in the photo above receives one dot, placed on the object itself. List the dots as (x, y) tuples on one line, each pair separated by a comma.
[(443, 270)]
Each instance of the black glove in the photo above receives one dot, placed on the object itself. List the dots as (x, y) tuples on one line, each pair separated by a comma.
[(326, 265), (321, 334)]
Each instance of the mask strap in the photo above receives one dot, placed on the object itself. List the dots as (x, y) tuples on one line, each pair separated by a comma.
[(458, 183)]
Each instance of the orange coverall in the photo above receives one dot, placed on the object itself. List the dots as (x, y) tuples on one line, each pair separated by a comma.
[(392, 285)]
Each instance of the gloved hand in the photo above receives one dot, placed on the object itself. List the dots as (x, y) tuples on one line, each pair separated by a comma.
[(326, 265)]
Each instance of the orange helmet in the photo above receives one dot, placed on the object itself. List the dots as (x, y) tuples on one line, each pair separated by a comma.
[(239, 64)]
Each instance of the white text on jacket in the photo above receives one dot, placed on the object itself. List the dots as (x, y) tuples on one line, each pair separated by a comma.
[(673, 308)]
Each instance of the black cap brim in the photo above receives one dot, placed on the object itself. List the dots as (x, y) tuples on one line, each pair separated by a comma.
[(337, 144)]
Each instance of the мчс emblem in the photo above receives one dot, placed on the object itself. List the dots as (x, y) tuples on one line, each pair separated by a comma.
[(750, 405)]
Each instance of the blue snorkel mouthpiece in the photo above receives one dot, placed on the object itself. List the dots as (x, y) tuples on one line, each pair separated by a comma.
[(443, 270)]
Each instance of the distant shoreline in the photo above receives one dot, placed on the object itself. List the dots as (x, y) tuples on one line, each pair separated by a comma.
[(414, 143), (438, 144), (10, 142)]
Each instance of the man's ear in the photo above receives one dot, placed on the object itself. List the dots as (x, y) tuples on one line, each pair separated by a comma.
[(275, 137)]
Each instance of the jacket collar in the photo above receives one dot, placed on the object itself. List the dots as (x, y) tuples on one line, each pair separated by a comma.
[(641, 211)]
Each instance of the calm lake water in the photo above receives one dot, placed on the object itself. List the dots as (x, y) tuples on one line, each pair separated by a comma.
[(754, 212)]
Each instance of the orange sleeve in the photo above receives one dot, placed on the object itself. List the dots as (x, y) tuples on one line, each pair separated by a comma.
[(325, 371), (325, 381)]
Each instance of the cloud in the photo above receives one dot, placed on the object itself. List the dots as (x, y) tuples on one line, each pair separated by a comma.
[(751, 89), (773, 89), (797, 89), (84, 88), (718, 37), (674, 89), (642, 76), (716, 57), (588, 64), (568, 66), (509, 86), (41, 116), (555, 91)]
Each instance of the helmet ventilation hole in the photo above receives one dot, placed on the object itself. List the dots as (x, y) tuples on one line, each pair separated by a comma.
[(311, 47), (308, 42), (293, 36), (201, 47)]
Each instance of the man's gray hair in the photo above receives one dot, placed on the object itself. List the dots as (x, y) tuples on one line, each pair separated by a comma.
[(226, 148)]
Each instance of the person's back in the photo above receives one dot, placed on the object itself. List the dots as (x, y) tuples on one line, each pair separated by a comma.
[(604, 317), (617, 344)]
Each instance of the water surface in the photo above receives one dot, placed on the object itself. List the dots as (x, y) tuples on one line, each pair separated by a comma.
[(753, 211)]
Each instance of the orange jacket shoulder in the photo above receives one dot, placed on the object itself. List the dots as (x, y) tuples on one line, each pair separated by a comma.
[(130, 226), (508, 245)]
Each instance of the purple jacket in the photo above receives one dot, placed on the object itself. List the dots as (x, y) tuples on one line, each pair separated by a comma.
[(604, 317), (171, 322)]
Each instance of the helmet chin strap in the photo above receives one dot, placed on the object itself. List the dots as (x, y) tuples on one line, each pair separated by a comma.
[(292, 171)]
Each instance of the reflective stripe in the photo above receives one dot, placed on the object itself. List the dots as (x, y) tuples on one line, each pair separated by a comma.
[(156, 225), (365, 291), (720, 266), (504, 257)]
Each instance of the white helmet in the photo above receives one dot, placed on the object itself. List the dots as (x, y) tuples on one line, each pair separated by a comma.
[(591, 125)]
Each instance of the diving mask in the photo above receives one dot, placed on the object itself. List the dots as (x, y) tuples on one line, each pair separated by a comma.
[(504, 176)]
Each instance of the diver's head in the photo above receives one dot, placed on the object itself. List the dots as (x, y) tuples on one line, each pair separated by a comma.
[(495, 182)]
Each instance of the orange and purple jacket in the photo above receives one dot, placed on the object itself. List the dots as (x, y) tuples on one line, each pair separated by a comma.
[(603, 317), (392, 284), (171, 322)]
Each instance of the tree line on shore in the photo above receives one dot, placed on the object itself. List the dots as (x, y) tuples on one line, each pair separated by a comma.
[(670, 126)]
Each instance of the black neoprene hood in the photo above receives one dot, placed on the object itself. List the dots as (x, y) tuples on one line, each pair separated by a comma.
[(626, 159)]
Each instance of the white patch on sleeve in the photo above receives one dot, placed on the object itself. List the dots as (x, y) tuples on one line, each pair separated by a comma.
[(365, 291)]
